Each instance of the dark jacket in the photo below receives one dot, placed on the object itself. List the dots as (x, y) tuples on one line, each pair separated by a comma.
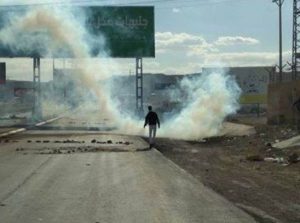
[(151, 119)]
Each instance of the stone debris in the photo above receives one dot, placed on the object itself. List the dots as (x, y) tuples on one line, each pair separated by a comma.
[(20, 149), (269, 159), (255, 158), (57, 151), (63, 146), (71, 141), (98, 142), (71, 149), (293, 158), (275, 160)]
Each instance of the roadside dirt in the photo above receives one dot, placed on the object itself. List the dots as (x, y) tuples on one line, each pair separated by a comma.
[(269, 191)]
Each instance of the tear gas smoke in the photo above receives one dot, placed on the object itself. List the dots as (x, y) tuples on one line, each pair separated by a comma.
[(209, 99), (52, 31)]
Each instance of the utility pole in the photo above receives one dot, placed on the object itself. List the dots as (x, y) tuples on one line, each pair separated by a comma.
[(296, 39), (280, 3), (37, 108)]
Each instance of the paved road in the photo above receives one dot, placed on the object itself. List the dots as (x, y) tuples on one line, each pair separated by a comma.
[(87, 186)]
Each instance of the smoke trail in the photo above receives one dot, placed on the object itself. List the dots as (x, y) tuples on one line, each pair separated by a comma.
[(206, 101), (52, 31), (56, 32), (210, 99)]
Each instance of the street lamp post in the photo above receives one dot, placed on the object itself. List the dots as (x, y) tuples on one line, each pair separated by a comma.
[(280, 3)]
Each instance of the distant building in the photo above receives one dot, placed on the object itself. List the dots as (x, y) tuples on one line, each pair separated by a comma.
[(253, 82), (14, 88)]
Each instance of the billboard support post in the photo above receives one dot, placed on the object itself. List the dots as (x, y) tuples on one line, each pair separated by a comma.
[(2, 73), (139, 86), (37, 110)]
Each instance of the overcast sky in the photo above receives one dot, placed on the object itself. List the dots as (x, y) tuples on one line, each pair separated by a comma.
[(191, 34)]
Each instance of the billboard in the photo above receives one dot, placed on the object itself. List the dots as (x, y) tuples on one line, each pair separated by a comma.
[(2, 73), (128, 32)]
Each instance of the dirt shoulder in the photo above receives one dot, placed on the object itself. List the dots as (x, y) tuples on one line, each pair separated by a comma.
[(267, 190)]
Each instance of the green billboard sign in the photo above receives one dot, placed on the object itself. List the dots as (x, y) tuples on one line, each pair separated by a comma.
[(127, 31)]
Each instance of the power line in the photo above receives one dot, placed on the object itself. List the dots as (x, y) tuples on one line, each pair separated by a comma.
[(201, 3), (106, 2), (165, 1)]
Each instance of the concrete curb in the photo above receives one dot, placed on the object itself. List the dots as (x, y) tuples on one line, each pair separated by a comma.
[(12, 132)]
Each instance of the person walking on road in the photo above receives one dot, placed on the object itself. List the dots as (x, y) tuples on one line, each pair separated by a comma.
[(152, 120)]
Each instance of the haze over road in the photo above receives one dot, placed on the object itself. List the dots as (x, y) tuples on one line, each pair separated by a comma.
[(100, 186)]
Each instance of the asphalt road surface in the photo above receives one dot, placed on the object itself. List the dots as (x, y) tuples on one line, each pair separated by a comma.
[(77, 177)]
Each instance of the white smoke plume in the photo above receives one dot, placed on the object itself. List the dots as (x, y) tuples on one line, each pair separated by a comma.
[(208, 99)]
